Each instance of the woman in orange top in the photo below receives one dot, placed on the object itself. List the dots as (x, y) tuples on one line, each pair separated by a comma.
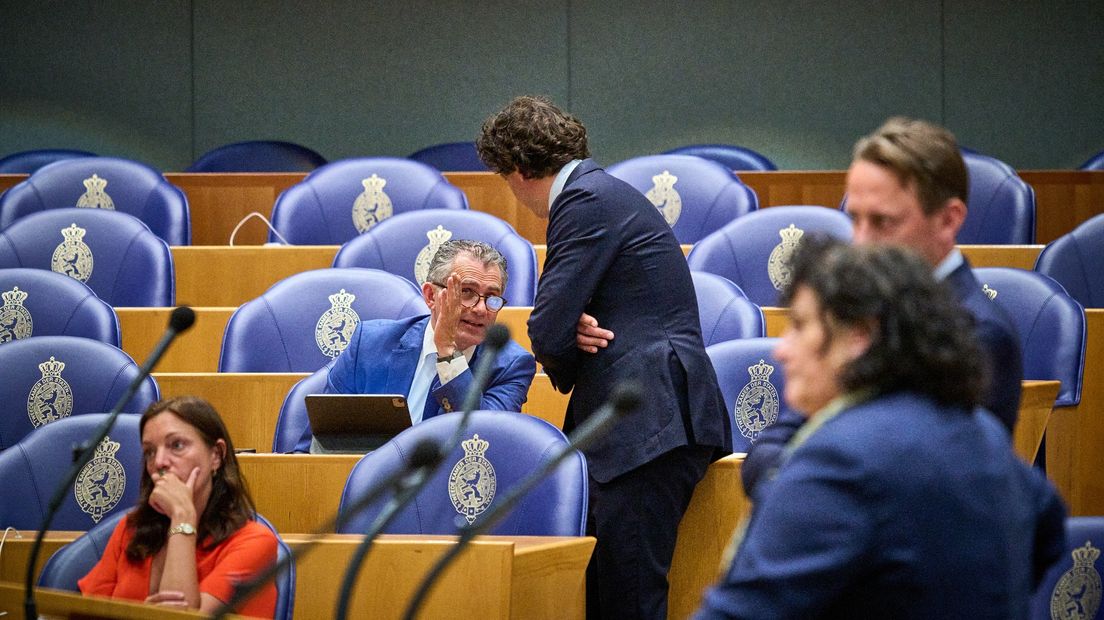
[(192, 536)]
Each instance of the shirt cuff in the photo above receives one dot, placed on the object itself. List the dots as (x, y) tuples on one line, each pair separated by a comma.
[(447, 371)]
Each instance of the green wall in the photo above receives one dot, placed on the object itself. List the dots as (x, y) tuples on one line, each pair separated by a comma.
[(165, 81)]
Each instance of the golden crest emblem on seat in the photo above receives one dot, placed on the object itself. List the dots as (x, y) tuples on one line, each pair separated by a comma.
[(991, 293), (335, 327), (373, 205), (665, 197), (15, 320), (94, 196), (73, 257), (50, 398), (1077, 593), (437, 237), (778, 263), (101, 482), (757, 403), (472, 483)]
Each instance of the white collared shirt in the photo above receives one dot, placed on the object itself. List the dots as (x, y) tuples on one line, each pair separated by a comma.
[(423, 378), (950, 262), (561, 179)]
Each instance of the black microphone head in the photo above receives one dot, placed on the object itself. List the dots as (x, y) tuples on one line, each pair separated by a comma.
[(626, 397), (181, 319), (497, 336), (425, 454)]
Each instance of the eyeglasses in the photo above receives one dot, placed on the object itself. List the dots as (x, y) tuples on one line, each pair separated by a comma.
[(470, 299)]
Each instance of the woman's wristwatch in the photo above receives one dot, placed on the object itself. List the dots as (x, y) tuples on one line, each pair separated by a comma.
[(184, 528)]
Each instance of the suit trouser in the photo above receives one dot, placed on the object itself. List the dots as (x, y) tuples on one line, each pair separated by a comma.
[(635, 518)]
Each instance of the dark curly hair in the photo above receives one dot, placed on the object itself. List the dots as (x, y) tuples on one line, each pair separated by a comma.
[(533, 136), (230, 505), (921, 340)]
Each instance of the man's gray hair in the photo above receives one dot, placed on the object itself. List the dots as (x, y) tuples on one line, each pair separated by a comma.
[(441, 265)]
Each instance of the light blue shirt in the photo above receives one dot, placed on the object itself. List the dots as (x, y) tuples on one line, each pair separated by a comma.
[(561, 179), (423, 373), (950, 262)]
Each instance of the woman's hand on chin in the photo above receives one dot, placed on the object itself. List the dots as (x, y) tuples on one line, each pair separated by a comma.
[(174, 498)]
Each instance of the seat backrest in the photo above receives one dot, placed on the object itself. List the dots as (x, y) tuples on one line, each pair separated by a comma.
[(303, 321), (754, 251), (103, 183), (292, 423), (752, 381), (724, 311), (1071, 588), (728, 155), (31, 470), (451, 157), (406, 243), (696, 196), (43, 303), (73, 561), (258, 156), (1000, 208), (115, 254), (1076, 261), (27, 162), (1050, 323), (1096, 162), (48, 378), (345, 198), (498, 449)]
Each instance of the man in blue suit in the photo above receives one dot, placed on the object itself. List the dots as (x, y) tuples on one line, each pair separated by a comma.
[(428, 358), (615, 269), (907, 186)]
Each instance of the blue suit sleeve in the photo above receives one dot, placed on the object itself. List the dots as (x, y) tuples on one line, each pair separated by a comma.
[(765, 454), (507, 390), (1006, 372)]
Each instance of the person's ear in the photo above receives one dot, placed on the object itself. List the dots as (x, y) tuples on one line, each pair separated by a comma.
[(218, 455), (953, 215), (429, 293)]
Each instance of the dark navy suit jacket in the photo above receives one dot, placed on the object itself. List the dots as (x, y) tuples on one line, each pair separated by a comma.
[(611, 255), (998, 340), (383, 354), (896, 508)]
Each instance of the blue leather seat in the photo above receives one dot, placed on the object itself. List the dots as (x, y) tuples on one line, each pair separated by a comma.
[(258, 156), (753, 251), (345, 198), (1067, 590), (728, 155), (695, 195), (451, 157), (52, 305), (1000, 208), (752, 381), (1076, 261), (103, 183), (404, 245), (115, 254), (73, 561), (303, 321), (1050, 323), (1096, 162), (292, 423), (31, 470), (724, 311), (509, 446), (27, 162), (47, 378)]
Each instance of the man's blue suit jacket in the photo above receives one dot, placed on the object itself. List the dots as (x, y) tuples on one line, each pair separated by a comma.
[(612, 255), (383, 354), (896, 508)]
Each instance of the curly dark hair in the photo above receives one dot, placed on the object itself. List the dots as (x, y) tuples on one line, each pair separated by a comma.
[(230, 505), (533, 136), (921, 339)]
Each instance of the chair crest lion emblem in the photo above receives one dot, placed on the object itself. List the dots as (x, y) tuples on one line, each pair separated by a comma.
[(437, 237), (373, 205), (778, 263), (472, 483), (1077, 593), (15, 320), (336, 325), (100, 484), (94, 196), (665, 197), (50, 398), (73, 257), (757, 403)]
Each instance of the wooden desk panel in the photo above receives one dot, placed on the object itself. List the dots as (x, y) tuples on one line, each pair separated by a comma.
[(1036, 405), (218, 201), (230, 276), (780, 188), (196, 350), (10, 180), (61, 604), (1064, 199), (488, 192), (1018, 256), (297, 492)]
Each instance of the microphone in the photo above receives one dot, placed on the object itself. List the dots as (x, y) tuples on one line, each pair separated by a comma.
[(180, 320), (423, 460), (626, 397), (430, 455)]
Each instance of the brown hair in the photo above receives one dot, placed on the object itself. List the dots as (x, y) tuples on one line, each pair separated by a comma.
[(918, 152), (533, 136), (230, 505)]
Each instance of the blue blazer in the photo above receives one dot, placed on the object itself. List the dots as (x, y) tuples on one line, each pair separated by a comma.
[(383, 354), (896, 508), (611, 255), (998, 340)]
